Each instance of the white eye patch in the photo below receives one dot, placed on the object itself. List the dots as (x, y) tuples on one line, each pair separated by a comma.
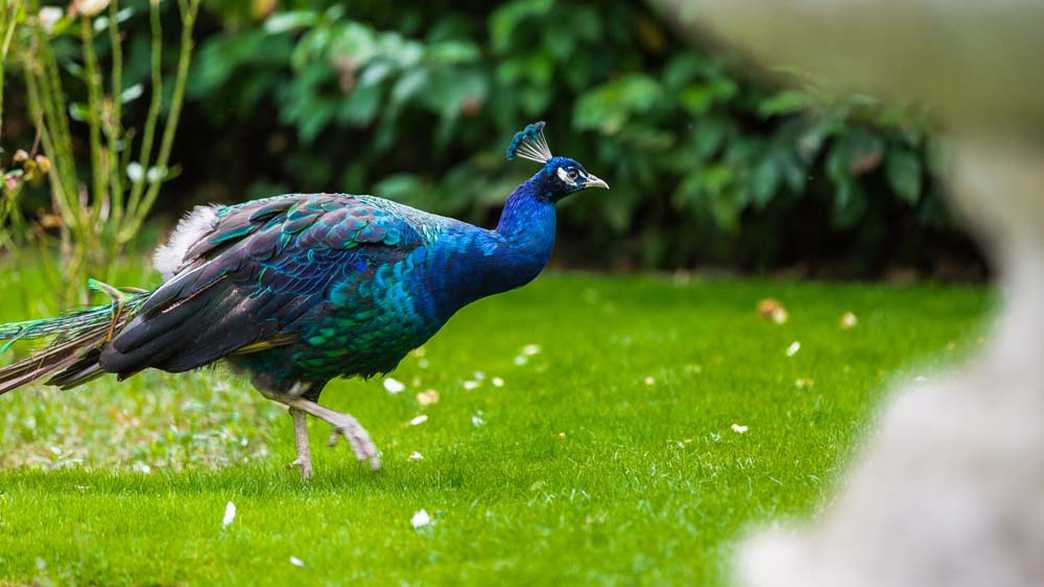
[(564, 176)]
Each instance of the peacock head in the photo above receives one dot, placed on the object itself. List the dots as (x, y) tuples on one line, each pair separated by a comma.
[(560, 176)]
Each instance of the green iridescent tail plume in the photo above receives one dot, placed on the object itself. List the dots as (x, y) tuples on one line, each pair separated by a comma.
[(77, 337)]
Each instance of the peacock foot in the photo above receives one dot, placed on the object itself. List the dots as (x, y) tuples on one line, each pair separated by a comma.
[(343, 424), (357, 437)]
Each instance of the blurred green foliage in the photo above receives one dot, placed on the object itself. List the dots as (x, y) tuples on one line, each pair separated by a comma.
[(416, 101)]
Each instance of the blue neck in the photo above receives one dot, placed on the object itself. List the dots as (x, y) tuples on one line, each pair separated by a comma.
[(527, 230), (528, 219), (502, 259)]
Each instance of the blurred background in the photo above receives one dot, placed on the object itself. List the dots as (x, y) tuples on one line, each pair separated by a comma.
[(711, 167)]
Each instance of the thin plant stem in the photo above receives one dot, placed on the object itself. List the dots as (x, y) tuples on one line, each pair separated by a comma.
[(155, 106), (55, 116), (115, 127), (9, 10), (99, 167), (189, 9)]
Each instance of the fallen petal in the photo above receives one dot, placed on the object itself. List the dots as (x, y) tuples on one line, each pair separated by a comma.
[(428, 397), (739, 428), (394, 385), (417, 421), (849, 321), (420, 519), (793, 348), (296, 562), (771, 309), (230, 515)]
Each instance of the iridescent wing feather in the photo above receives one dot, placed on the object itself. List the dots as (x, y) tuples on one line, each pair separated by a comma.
[(264, 266)]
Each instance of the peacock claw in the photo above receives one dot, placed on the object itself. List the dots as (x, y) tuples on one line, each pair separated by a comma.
[(304, 465), (357, 437)]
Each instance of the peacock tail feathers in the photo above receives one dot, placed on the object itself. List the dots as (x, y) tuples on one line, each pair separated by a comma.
[(78, 338)]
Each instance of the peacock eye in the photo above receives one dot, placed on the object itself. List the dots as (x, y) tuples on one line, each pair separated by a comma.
[(572, 174)]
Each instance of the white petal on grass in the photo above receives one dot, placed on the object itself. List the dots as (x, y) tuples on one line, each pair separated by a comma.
[(230, 515), (739, 428), (415, 456), (394, 386), (296, 562), (428, 397), (793, 348), (477, 420), (650, 380), (471, 385), (497, 382), (849, 321), (417, 421), (771, 309), (420, 519), (521, 360), (479, 375), (531, 349)]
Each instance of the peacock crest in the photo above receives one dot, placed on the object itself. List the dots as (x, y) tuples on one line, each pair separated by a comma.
[(529, 143)]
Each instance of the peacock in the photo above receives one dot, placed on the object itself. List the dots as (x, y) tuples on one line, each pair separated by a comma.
[(295, 290)]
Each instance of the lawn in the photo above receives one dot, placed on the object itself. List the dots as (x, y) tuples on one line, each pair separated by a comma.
[(608, 455)]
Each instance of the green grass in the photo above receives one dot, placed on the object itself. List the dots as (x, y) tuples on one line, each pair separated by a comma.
[(607, 458)]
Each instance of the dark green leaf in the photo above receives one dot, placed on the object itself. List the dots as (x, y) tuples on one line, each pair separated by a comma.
[(765, 182), (903, 168), (513, 16), (783, 102)]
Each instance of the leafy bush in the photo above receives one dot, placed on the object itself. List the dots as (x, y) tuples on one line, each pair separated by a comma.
[(102, 182), (416, 101)]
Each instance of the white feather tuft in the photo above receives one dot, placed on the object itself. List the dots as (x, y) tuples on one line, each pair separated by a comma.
[(168, 257)]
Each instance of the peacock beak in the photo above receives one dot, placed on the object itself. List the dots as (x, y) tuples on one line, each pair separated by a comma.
[(594, 181)]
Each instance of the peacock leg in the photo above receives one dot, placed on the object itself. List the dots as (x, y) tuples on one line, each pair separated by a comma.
[(304, 453), (344, 425)]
